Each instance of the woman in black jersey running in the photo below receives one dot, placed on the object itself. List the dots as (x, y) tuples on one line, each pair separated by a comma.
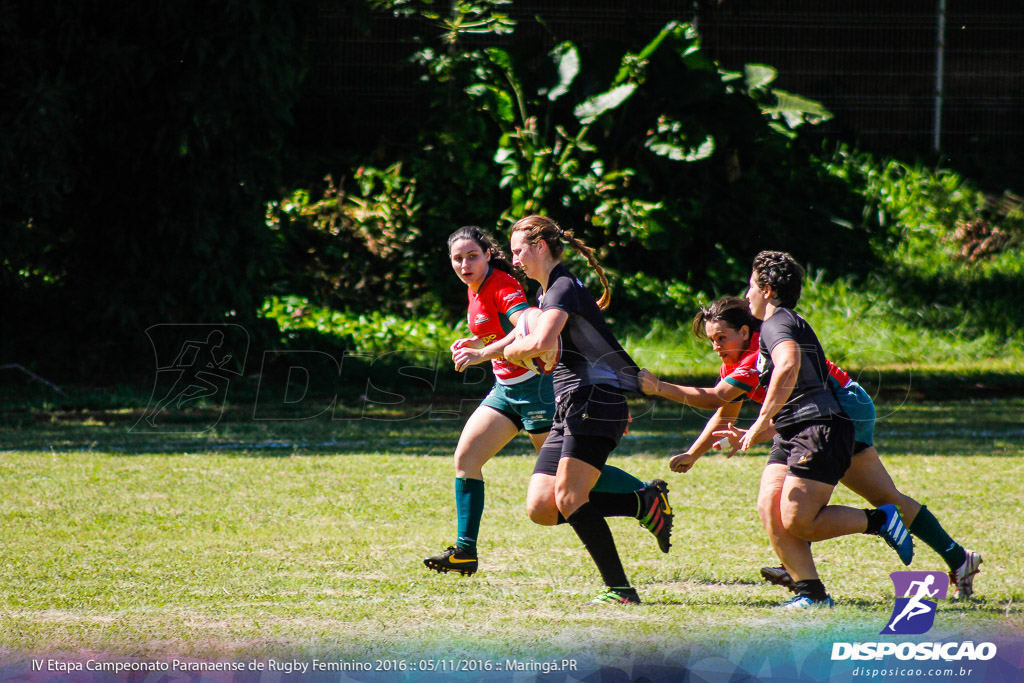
[(590, 406)]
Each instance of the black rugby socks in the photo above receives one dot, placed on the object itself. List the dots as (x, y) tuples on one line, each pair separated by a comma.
[(597, 538), (876, 520), (811, 588), (616, 504)]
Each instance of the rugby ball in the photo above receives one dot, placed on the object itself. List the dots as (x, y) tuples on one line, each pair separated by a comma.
[(545, 363)]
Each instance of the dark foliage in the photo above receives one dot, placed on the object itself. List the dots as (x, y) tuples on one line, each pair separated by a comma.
[(140, 144)]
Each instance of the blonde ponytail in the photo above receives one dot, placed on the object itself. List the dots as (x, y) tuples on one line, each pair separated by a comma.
[(578, 245), (542, 228)]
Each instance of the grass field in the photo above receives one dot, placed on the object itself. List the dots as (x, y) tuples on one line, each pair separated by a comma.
[(304, 538)]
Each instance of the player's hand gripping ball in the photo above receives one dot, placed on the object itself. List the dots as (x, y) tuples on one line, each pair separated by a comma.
[(545, 363)]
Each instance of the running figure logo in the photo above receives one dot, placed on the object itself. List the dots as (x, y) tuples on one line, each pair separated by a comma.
[(916, 592), (205, 359)]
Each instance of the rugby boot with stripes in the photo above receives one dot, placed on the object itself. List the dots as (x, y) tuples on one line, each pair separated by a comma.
[(963, 577), (805, 602), (896, 535), (655, 512), (617, 596)]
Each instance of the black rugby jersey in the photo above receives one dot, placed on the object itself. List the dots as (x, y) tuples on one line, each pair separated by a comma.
[(811, 398), (590, 352)]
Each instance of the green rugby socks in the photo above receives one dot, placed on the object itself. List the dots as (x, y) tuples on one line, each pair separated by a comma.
[(614, 480), (469, 506), (928, 529)]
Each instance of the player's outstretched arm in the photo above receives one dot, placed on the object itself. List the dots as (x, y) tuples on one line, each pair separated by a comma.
[(697, 397), (706, 441)]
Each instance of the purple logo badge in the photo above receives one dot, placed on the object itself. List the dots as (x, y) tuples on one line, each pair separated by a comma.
[(916, 593)]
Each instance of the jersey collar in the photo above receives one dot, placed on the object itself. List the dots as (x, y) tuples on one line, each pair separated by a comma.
[(483, 282)]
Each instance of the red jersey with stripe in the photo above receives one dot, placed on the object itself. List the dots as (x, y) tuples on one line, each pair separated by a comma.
[(744, 375), (499, 296)]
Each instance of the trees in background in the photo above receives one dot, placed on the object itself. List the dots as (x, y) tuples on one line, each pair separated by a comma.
[(140, 144), (676, 170), (150, 171)]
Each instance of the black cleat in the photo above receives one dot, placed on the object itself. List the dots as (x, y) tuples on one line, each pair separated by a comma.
[(656, 514), (778, 576), (453, 560)]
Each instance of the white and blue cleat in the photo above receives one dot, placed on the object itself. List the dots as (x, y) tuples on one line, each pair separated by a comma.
[(805, 602), (895, 533)]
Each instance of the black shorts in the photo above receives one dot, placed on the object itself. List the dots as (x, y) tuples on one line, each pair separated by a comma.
[(589, 422), (818, 450)]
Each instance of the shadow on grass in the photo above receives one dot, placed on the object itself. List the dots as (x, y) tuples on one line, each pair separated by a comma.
[(767, 604), (429, 425)]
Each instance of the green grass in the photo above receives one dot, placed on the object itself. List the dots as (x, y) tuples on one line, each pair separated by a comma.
[(305, 539)]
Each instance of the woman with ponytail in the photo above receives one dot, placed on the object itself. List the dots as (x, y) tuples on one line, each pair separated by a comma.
[(591, 413), (520, 399)]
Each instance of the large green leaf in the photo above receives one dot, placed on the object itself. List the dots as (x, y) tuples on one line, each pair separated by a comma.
[(677, 152), (670, 140), (796, 110), (501, 58), (567, 59), (590, 110), (758, 75), (499, 103)]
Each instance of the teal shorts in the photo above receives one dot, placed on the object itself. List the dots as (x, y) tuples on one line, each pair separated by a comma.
[(859, 407), (530, 404)]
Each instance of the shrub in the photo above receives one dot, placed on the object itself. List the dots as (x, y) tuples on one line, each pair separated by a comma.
[(351, 248)]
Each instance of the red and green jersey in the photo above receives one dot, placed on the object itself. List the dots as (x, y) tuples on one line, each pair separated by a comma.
[(744, 374), (499, 296)]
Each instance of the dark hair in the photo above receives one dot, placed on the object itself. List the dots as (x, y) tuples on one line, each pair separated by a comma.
[(542, 228), (778, 270), (486, 243), (731, 310)]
